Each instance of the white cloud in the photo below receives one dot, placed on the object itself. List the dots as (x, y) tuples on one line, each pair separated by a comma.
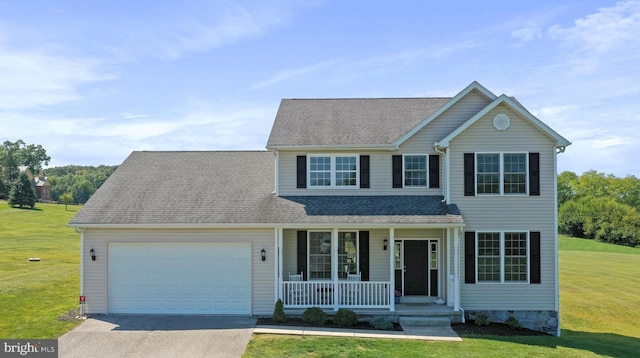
[(128, 115), (607, 37), (33, 78), (531, 32), (295, 72)]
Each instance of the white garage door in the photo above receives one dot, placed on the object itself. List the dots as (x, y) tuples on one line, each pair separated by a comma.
[(180, 278)]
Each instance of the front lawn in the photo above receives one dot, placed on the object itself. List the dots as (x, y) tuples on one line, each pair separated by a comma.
[(34, 294), (599, 301)]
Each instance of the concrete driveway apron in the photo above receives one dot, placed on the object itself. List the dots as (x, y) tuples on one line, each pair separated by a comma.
[(158, 336)]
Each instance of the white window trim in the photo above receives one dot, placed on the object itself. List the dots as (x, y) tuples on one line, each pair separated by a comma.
[(426, 157), (333, 252), (333, 172), (502, 251), (501, 185)]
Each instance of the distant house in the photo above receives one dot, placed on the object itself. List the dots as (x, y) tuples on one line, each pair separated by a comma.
[(449, 203), (41, 185)]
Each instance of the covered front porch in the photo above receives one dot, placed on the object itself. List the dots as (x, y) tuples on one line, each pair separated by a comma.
[(369, 269)]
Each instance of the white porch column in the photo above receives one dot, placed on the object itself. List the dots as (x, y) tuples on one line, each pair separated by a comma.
[(334, 268), (456, 268), (392, 269), (278, 263), (450, 275)]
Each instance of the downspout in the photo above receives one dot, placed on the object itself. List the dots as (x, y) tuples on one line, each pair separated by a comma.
[(276, 154), (80, 230), (445, 189)]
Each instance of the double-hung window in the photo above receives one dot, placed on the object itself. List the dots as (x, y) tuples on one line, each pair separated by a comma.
[(320, 255), (415, 170), (501, 173), (320, 258), (333, 171), (502, 257)]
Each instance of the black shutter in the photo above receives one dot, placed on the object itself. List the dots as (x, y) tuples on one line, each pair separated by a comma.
[(302, 254), (396, 165), (534, 173), (364, 255), (534, 244), (469, 174), (470, 257), (364, 171), (301, 172), (434, 171)]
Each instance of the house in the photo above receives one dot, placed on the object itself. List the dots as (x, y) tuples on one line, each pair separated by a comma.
[(442, 200), (41, 185)]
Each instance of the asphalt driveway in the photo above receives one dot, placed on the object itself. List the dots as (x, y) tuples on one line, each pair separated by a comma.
[(158, 336)]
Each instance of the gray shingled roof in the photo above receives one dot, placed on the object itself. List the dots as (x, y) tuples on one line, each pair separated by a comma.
[(211, 188), (348, 122)]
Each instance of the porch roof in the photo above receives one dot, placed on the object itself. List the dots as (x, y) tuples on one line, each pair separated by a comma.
[(371, 209)]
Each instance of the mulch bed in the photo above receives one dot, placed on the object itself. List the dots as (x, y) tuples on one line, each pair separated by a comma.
[(494, 329), (462, 329), (301, 323), (73, 315)]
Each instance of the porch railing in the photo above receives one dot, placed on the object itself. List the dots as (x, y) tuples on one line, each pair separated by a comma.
[(326, 294)]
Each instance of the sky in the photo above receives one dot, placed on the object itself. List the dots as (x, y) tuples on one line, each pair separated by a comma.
[(93, 81)]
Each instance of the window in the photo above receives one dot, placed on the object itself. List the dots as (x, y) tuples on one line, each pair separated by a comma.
[(320, 171), (333, 171), (515, 256), (320, 255), (415, 170), (320, 258), (502, 257), (501, 173), (347, 253), (346, 171)]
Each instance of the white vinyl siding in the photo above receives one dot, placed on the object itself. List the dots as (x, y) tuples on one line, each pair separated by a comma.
[(96, 272), (508, 212)]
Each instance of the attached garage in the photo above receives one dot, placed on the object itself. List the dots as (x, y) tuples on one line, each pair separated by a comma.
[(179, 278)]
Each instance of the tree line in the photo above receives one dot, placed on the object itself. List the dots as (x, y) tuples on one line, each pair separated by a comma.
[(599, 206), (69, 184), (76, 184)]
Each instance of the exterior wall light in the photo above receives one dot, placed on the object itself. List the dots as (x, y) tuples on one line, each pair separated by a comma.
[(92, 253), (263, 254), (386, 242)]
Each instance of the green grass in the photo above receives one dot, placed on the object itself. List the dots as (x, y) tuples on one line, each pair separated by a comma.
[(34, 294), (599, 309)]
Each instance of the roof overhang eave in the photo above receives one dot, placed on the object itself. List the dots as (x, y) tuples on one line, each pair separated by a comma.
[(390, 147), (450, 225)]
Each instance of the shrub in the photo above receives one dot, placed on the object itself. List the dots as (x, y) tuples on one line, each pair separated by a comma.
[(482, 319), (513, 323), (345, 318), (382, 323), (278, 313), (315, 316)]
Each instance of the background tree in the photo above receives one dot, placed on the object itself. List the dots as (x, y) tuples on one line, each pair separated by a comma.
[(68, 178), (82, 191), (66, 198), (599, 206), (22, 192), (18, 153)]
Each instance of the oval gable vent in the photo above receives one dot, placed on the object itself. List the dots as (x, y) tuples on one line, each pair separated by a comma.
[(501, 122)]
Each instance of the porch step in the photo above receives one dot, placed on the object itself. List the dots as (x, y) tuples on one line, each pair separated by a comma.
[(425, 322)]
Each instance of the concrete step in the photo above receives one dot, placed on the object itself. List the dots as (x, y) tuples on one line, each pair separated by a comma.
[(425, 322)]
